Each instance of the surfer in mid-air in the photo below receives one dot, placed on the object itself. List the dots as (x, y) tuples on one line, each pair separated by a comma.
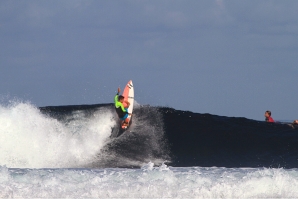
[(121, 111)]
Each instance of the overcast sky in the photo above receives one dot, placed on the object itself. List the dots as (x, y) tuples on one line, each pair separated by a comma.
[(224, 57)]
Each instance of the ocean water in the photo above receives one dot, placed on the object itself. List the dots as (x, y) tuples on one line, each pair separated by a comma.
[(71, 152), (149, 182)]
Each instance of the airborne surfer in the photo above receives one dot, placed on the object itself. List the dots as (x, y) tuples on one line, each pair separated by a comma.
[(121, 111)]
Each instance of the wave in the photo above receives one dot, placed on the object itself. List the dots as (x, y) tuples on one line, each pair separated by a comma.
[(32, 139), (149, 182), (81, 137)]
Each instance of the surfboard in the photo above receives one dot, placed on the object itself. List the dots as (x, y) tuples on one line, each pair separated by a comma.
[(128, 94)]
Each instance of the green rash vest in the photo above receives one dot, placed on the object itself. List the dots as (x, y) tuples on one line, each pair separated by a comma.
[(119, 107)]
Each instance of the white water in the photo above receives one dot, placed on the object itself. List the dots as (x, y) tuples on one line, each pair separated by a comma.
[(29, 139), (149, 182)]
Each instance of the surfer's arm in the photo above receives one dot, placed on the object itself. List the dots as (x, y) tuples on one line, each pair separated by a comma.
[(123, 109), (116, 96)]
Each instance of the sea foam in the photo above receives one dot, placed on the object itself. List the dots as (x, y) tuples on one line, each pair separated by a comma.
[(30, 139), (150, 182)]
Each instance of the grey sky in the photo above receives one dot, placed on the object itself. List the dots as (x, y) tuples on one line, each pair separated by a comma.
[(231, 58)]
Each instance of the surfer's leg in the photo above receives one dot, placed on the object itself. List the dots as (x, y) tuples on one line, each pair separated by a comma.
[(126, 104), (123, 123), (124, 120)]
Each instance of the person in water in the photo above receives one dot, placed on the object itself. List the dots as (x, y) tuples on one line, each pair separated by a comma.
[(121, 111), (294, 124), (268, 117)]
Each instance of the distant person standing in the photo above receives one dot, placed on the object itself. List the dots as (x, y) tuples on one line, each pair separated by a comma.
[(268, 117)]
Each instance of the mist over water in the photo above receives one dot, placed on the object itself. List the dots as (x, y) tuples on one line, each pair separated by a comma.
[(30, 139)]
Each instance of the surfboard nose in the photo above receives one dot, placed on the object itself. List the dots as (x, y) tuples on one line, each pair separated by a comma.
[(129, 84)]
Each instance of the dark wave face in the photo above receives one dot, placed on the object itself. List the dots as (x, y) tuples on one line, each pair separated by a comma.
[(184, 139)]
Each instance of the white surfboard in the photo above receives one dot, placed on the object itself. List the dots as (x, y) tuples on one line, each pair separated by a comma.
[(128, 94)]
